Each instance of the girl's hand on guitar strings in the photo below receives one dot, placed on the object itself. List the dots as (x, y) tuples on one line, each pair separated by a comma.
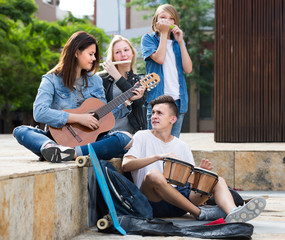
[(88, 120), (138, 93)]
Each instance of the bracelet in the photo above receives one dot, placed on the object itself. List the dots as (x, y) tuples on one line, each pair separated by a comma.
[(128, 102)]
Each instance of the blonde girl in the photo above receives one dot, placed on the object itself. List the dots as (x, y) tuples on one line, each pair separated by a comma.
[(165, 53)]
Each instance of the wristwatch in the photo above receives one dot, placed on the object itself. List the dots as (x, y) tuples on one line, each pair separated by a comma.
[(128, 102)]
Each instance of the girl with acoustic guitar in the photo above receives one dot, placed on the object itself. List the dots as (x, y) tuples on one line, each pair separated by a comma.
[(67, 86), (121, 76)]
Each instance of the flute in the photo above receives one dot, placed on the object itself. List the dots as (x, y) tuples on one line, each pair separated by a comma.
[(115, 63), (119, 62)]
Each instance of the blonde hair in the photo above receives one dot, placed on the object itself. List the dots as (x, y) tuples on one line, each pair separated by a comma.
[(110, 52), (167, 8)]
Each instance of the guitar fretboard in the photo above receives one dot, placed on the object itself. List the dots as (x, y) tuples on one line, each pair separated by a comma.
[(104, 110)]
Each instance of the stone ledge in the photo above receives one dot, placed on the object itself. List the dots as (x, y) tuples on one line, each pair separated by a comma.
[(44, 205), (21, 167), (248, 170)]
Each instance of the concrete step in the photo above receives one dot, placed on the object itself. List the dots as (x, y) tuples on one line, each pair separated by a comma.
[(41, 200)]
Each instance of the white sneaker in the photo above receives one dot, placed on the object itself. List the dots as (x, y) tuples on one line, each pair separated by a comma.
[(55, 153), (248, 211)]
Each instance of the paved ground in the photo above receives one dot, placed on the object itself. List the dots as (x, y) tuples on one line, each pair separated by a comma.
[(270, 225), (16, 160)]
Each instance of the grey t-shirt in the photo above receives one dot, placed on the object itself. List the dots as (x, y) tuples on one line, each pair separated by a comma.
[(121, 124), (79, 96)]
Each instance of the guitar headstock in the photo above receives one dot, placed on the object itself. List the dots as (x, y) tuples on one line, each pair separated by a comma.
[(150, 81)]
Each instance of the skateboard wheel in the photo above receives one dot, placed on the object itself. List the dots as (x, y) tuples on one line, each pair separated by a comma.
[(81, 161), (103, 223)]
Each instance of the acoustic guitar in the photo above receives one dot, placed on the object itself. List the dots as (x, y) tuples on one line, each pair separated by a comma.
[(75, 134)]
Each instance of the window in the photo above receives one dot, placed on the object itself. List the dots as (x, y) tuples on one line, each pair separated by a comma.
[(48, 2)]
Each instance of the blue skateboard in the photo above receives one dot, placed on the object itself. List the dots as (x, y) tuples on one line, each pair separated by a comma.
[(111, 218)]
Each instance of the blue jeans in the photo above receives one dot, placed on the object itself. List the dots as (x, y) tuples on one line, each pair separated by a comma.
[(106, 146), (176, 129), (165, 209)]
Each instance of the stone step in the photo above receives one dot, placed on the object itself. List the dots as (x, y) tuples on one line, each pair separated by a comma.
[(45, 204), (40, 200)]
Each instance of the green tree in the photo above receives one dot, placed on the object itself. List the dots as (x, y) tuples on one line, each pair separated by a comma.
[(14, 62), (140, 63), (30, 47)]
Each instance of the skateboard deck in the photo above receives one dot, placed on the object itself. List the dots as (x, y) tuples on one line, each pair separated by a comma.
[(106, 195)]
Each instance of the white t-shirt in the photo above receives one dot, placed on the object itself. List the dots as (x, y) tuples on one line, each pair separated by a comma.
[(145, 144), (170, 73)]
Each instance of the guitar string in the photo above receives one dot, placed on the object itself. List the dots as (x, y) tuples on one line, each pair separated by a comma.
[(104, 110)]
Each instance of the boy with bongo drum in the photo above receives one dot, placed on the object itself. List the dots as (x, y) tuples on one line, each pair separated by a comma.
[(145, 162)]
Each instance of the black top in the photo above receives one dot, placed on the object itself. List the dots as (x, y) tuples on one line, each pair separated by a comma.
[(137, 117)]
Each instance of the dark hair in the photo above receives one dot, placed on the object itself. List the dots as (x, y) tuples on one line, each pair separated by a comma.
[(167, 100), (67, 64)]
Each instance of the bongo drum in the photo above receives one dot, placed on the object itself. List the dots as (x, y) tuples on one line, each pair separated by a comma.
[(177, 172), (203, 181)]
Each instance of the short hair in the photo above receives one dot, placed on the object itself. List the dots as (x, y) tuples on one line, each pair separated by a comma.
[(167, 8), (167, 100)]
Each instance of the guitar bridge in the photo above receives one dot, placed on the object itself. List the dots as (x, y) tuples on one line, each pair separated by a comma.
[(74, 133)]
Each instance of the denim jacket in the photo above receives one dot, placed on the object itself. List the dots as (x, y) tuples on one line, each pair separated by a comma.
[(53, 97), (149, 45)]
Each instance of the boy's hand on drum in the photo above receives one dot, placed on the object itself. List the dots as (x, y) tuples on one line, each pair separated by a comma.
[(169, 155), (206, 164)]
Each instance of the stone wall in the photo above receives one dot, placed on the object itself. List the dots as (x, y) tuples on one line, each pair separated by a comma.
[(52, 203), (248, 170), (44, 205), (245, 170)]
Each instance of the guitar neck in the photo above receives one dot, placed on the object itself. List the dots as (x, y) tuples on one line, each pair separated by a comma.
[(110, 106)]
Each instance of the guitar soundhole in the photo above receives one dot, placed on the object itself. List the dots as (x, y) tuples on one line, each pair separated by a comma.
[(96, 116)]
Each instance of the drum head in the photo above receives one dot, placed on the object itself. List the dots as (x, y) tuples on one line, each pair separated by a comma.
[(178, 161), (202, 170)]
